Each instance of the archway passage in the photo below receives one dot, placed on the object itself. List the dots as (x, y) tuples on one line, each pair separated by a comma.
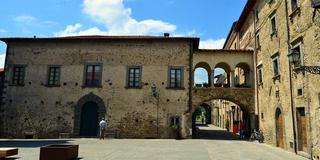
[(89, 120), (225, 122), (202, 115), (279, 128)]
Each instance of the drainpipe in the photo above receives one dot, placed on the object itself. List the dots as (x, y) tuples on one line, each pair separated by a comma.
[(290, 81), (255, 59), (190, 76)]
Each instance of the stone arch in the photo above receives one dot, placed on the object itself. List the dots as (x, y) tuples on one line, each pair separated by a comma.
[(205, 66), (239, 103), (243, 75), (226, 67), (102, 110)]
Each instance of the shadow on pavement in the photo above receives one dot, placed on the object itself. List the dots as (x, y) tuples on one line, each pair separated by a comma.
[(30, 143), (209, 133)]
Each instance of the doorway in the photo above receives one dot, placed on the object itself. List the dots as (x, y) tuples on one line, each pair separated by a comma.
[(302, 130), (279, 128), (89, 120)]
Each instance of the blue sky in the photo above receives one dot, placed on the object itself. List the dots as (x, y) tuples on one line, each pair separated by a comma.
[(208, 19)]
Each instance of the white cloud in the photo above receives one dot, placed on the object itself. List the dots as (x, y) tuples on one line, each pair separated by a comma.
[(76, 30), (3, 30), (117, 20), (212, 44), (2, 59), (200, 76), (26, 19)]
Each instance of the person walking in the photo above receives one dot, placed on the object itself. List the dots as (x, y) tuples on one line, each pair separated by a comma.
[(103, 127)]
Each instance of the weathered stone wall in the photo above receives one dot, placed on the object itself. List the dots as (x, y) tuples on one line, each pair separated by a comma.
[(304, 29), (50, 111)]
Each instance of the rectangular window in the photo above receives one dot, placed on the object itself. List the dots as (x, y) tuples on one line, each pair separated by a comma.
[(273, 24), (294, 5), (257, 14), (134, 77), (93, 75), (175, 77), (260, 81), (301, 111), (269, 1), (300, 92), (258, 41), (296, 51), (241, 34), (174, 121), (319, 101), (276, 70), (54, 76), (18, 75)]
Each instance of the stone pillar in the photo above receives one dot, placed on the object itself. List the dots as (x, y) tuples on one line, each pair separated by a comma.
[(232, 79), (185, 125), (249, 78), (209, 79), (212, 79)]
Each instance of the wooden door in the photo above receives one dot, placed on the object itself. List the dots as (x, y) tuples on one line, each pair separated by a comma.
[(302, 130), (279, 129), (89, 120)]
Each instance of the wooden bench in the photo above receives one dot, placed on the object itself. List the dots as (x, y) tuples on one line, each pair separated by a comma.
[(59, 152), (7, 152)]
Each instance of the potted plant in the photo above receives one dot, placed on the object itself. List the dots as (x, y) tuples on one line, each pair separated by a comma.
[(176, 131)]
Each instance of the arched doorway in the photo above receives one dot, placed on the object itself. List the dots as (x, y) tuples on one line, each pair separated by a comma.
[(201, 117), (89, 120), (279, 128), (233, 121), (87, 107)]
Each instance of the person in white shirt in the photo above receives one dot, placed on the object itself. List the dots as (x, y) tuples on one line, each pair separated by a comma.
[(103, 127)]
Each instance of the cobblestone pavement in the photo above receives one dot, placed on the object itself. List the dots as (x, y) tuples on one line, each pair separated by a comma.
[(162, 149)]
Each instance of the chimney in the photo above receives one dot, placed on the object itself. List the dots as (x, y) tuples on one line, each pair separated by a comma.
[(166, 34)]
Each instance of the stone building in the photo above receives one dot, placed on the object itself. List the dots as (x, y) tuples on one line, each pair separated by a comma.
[(285, 37), (142, 85), (66, 85)]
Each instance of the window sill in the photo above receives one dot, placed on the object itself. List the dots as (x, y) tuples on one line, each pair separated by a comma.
[(176, 88), (52, 86), (16, 85), (295, 12), (258, 48), (274, 34), (127, 87), (277, 77), (100, 86)]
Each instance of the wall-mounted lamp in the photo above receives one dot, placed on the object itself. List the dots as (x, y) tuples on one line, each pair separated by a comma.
[(154, 90), (294, 58)]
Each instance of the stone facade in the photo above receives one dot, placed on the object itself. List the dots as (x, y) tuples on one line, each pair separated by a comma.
[(147, 111), (292, 93), (135, 113)]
